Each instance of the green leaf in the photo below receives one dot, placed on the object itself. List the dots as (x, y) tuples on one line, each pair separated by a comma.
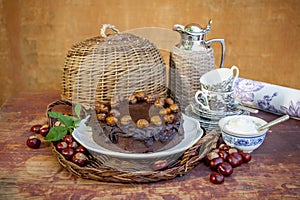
[(70, 123), (77, 110), (54, 114), (56, 133), (65, 120), (76, 121)]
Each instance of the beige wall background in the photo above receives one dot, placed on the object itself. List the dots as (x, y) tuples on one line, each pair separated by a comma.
[(262, 36)]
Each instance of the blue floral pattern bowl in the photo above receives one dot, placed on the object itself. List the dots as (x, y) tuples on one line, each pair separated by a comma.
[(247, 142)]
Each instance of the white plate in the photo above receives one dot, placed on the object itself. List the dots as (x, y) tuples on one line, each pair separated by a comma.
[(138, 161)]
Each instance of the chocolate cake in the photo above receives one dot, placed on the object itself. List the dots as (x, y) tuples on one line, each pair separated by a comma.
[(140, 124)]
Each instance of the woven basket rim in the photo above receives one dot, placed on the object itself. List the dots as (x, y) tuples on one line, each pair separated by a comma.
[(95, 170)]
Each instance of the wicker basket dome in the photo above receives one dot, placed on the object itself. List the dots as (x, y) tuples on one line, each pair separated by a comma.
[(108, 65)]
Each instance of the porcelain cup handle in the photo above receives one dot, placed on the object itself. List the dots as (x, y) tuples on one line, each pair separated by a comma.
[(199, 92), (236, 73)]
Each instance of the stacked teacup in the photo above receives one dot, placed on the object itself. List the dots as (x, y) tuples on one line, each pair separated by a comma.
[(216, 97), (217, 89)]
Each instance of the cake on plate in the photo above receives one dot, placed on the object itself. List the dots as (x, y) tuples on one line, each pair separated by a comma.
[(140, 124)]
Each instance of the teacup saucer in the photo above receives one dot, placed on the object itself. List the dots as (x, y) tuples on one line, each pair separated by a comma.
[(208, 124), (197, 109), (208, 120)]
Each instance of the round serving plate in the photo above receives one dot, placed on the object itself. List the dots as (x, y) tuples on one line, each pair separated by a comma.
[(138, 161)]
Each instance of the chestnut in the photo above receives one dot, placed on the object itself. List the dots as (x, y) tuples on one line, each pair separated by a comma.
[(211, 155), (223, 154), (225, 169), (33, 142), (132, 99), (169, 101), (57, 123), (215, 162), (68, 139), (44, 130), (73, 145), (79, 159), (216, 178), (68, 153), (169, 118), (126, 119), (111, 120), (174, 108), (36, 128), (150, 99), (165, 111), (232, 150), (160, 165), (159, 102), (101, 108), (81, 149), (246, 156), (101, 116), (142, 123), (224, 147), (140, 96), (235, 159), (156, 120), (61, 146)]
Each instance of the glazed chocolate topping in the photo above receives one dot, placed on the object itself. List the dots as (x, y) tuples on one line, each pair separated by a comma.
[(146, 137)]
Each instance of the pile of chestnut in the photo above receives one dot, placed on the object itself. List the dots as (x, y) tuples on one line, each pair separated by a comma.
[(222, 160), (67, 146)]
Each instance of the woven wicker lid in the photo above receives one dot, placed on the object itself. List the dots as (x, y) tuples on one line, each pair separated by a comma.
[(108, 65)]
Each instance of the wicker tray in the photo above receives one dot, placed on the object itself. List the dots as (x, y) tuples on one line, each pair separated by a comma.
[(95, 170)]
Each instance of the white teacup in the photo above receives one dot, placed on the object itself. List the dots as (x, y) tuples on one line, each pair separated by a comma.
[(215, 101), (219, 80)]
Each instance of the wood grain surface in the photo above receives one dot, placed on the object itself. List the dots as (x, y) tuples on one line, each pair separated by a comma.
[(28, 173)]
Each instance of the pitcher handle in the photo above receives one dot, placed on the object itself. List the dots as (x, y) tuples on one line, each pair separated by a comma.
[(208, 43)]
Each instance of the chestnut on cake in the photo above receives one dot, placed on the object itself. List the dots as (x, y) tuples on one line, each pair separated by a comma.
[(140, 124)]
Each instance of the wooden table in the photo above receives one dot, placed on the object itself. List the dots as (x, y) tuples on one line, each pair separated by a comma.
[(273, 173)]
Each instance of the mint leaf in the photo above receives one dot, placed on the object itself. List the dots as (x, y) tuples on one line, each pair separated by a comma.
[(65, 120), (69, 124), (56, 133), (76, 121), (77, 110)]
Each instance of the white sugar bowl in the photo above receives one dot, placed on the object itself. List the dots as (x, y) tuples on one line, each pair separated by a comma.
[(240, 131)]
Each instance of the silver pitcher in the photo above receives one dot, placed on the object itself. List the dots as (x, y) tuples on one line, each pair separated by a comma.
[(189, 60), (193, 38)]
